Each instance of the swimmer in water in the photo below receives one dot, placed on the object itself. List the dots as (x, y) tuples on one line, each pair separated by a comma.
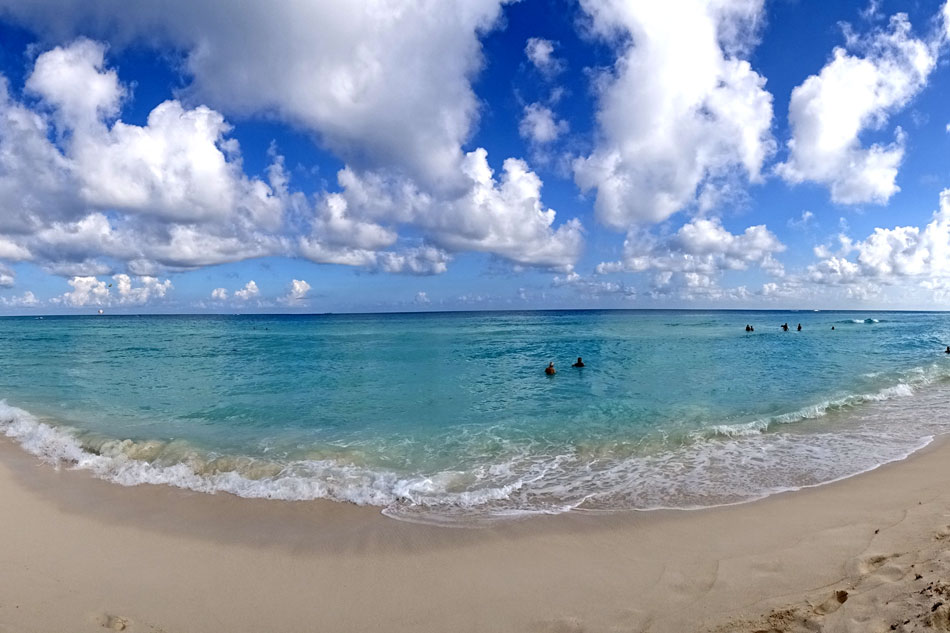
[(799, 327), (549, 370), (785, 327), (948, 350), (832, 327), (748, 328), (579, 363)]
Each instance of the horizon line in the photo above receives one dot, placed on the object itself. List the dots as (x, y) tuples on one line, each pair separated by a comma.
[(491, 310)]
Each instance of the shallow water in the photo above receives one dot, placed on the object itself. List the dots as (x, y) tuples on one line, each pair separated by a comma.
[(449, 417)]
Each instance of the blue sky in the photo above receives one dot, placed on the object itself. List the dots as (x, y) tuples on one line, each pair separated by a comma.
[(473, 154)]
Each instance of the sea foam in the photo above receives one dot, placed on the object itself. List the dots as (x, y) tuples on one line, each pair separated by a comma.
[(726, 464)]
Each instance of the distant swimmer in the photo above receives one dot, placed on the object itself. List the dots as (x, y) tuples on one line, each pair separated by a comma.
[(748, 328), (785, 327), (751, 329), (580, 363), (832, 327), (799, 327), (549, 370), (948, 350)]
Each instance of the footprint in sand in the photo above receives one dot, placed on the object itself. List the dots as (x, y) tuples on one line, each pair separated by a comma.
[(833, 603), (880, 567), (872, 563), (939, 618), (942, 534), (113, 622)]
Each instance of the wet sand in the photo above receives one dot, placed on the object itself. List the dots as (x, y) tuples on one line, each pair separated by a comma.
[(80, 554)]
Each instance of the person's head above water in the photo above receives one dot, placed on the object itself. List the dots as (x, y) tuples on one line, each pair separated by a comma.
[(579, 363), (550, 369)]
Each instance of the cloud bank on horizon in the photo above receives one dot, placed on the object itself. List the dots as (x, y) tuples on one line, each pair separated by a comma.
[(411, 154)]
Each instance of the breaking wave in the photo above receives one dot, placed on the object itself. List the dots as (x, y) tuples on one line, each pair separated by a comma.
[(721, 464)]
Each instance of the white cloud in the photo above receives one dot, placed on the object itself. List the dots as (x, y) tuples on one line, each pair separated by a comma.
[(172, 194), (539, 125), (697, 254), (424, 260), (506, 217), (902, 255), (174, 167), (7, 277), (249, 291), (680, 112), (150, 288), (591, 288), (422, 298), (26, 300), (541, 53), (383, 84), (11, 251), (806, 219), (74, 81), (168, 194), (219, 294), (699, 245), (86, 291), (90, 290), (852, 94), (502, 216), (297, 294)]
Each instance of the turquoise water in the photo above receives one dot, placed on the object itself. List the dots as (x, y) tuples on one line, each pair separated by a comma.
[(449, 417)]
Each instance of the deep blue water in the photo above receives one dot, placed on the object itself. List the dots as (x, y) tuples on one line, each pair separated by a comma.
[(449, 416)]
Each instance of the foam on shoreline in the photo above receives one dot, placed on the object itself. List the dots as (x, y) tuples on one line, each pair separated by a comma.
[(723, 464)]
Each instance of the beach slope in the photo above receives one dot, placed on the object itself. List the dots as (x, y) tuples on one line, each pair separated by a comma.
[(870, 553)]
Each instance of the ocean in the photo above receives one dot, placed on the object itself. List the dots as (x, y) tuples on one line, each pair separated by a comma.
[(449, 418)]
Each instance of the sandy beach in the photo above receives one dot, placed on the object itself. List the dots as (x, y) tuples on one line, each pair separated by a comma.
[(870, 553)]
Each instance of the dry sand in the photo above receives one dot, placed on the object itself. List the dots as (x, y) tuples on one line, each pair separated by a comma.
[(871, 553)]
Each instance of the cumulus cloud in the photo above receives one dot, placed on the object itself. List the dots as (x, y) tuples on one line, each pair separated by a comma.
[(680, 112), (541, 54), (424, 260), (86, 291), (806, 219), (297, 293), (90, 290), (697, 254), (249, 291), (150, 288), (539, 124), (74, 80), (422, 298), (7, 278), (853, 93), (899, 255), (592, 288), (382, 84), (25, 300), (172, 194), (503, 216), (219, 294)]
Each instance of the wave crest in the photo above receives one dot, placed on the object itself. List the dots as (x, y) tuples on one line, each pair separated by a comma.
[(723, 464)]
